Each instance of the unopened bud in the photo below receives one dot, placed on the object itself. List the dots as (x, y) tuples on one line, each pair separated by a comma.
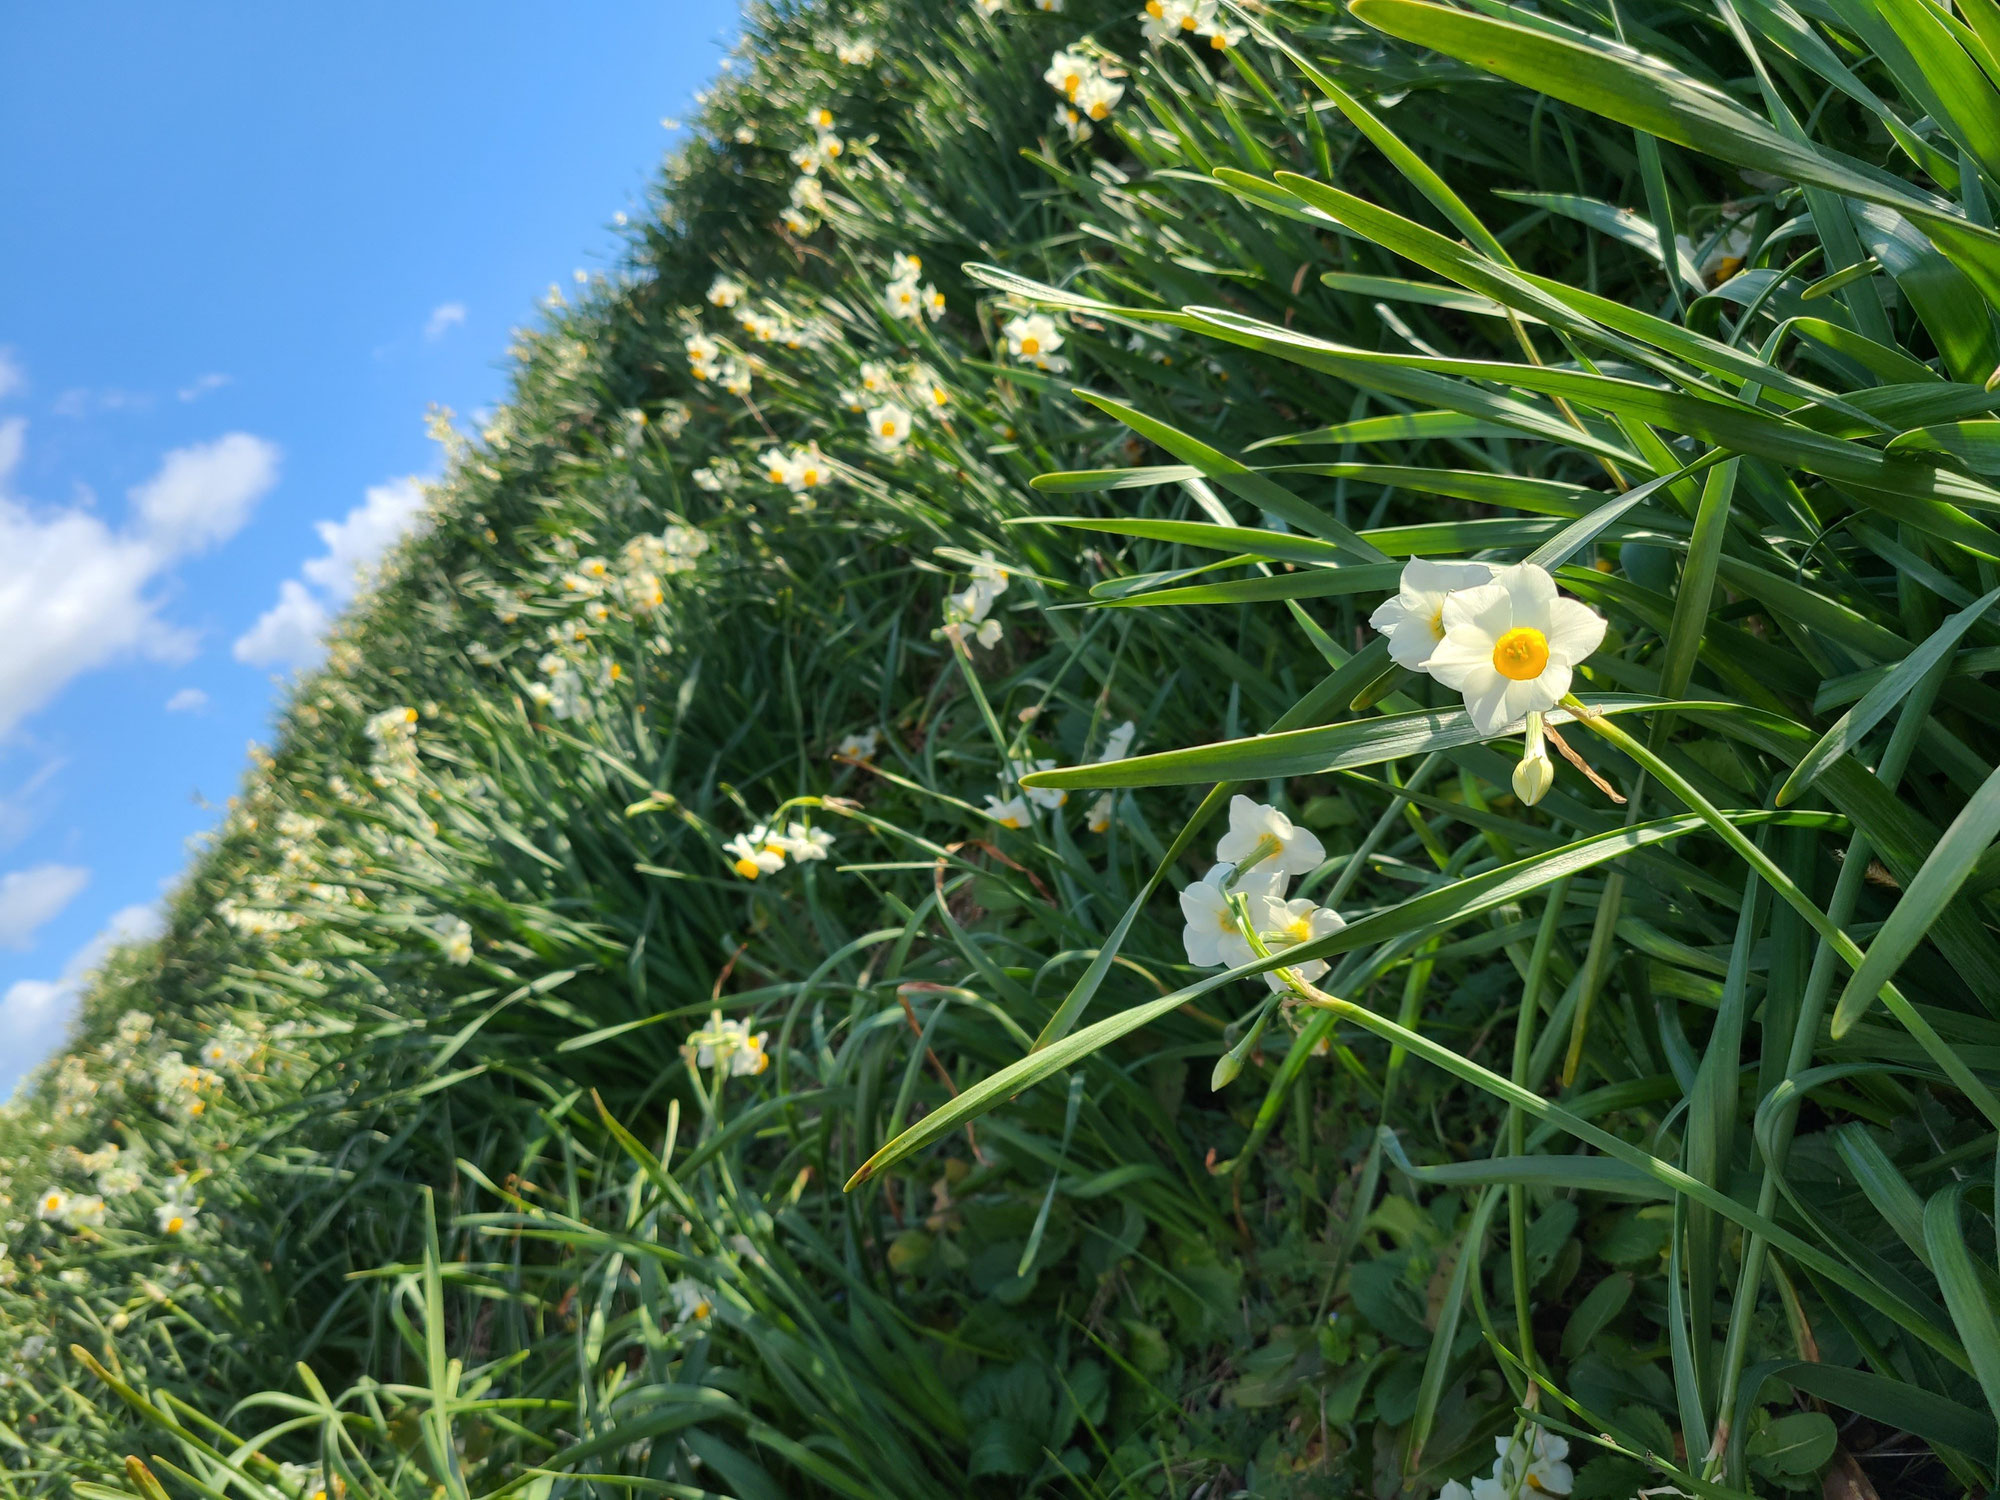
[(1535, 774)]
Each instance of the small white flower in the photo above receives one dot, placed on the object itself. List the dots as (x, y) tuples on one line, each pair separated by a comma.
[(1032, 335), (803, 843), (819, 117), (1286, 924), (1068, 71), (52, 1205), (1098, 818), (725, 291), (1413, 617), (176, 1216), (1511, 645), (1074, 125), (1013, 813), (889, 427), (692, 1301), (856, 52), (1211, 934), (1118, 743), (1098, 97), (904, 266), (904, 299), (1258, 831), (756, 853), (860, 746), (454, 936)]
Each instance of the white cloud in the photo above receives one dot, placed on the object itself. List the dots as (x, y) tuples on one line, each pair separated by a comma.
[(80, 401), (189, 700), (444, 317), (201, 385), (13, 442), (288, 633), (12, 377), (74, 591), (204, 494), (35, 1014), (30, 899)]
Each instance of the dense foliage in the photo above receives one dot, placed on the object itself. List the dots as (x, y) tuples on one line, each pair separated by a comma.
[(719, 987)]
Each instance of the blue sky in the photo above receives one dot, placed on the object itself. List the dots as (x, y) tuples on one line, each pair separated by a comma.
[(246, 247)]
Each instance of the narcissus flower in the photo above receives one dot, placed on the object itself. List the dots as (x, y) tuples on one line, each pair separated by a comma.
[(1413, 618), (52, 1205), (1117, 743), (819, 117), (1068, 71), (1098, 97), (904, 266), (730, 1046), (803, 843), (860, 746), (1051, 797), (904, 299), (692, 1301), (725, 292), (1262, 837), (1032, 335), (175, 1216), (888, 427), (1511, 645), (1287, 924), (1013, 813), (454, 936), (1098, 818), (1211, 934), (755, 854)]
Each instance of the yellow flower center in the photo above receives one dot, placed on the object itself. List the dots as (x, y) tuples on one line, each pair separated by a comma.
[(888, 429), (1030, 344), (1219, 42), (1296, 931), (1010, 821), (1521, 654), (747, 868), (176, 1224), (1155, 9), (702, 1308), (1071, 83), (1099, 111), (1437, 624)]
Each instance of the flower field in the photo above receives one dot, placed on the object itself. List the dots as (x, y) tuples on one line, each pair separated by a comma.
[(1226, 750)]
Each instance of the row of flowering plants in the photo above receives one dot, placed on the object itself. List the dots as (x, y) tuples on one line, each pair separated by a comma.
[(1447, 883)]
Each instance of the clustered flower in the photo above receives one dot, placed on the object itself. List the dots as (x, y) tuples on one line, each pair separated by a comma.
[(904, 298), (1238, 911), (1503, 637), (1089, 91), (1165, 19), (764, 849), (1033, 338), (966, 614), (730, 1048)]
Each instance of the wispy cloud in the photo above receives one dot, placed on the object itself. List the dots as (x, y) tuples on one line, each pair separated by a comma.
[(201, 385), (13, 379), (76, 593), (444, 317), (189, 700), (80, 401), (288, 633), (30, 899), (35, 1014)]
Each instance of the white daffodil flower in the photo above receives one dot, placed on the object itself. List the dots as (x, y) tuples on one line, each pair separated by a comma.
[(1510, 645), (454, 935), (1286, 924), (860, 746), (175, 1216), (1013, 813), (803, 843), (1098, 97), (692, 1301), (1413, 618), (1118, 743), (819, 117), (904, 299), (52, 1205), (725, 291), (1535, 1466), (1098, 818), (1259, 832), (1032, 335), (904, 266), (889, 427), (754, 854), (1074, 125), (1068, 72), (1211, 935)]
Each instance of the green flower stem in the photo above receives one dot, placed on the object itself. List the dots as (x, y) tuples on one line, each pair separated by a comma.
[(1517, 1122)]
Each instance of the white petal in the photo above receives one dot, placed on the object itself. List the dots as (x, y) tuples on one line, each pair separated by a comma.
[(1461, 659), (1575, 630), (1420, 576), (1390, 613), (1486, 701), (1485, 613), (1412, 642), (1533, 591)]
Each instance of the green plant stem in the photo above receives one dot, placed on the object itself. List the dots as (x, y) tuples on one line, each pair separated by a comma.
[(1517, 1128)]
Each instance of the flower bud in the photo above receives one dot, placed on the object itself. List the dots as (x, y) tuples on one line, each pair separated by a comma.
[(1536, 773)]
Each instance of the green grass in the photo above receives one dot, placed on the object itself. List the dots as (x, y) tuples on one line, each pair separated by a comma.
[(1666, 1127)]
